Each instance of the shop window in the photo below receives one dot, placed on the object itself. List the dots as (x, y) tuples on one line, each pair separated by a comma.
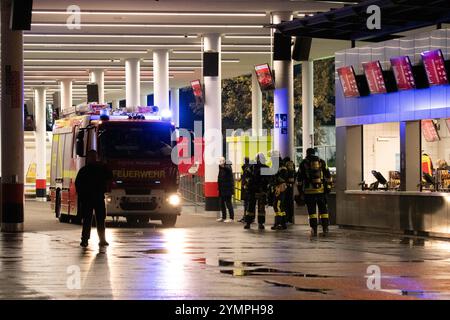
[(381, 156), (435, 154)]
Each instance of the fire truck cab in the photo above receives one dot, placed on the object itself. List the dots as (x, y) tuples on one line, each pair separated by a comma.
[(137, 149)]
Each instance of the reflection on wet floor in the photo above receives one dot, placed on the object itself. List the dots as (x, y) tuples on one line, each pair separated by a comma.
[(201, 259)]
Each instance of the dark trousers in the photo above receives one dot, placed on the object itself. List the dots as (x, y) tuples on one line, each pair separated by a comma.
[(225, 202), (87, 211), (289, 199), (314, 201), (253, 200)]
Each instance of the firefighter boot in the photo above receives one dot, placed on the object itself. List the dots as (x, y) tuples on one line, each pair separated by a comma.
[(325, 224), (283, 223), (313, 225), (276, 223), (248, 218)]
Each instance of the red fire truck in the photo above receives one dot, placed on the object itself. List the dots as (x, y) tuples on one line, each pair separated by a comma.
[(136, 147)]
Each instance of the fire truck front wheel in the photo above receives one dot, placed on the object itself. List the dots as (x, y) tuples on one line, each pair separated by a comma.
[(169, 221)]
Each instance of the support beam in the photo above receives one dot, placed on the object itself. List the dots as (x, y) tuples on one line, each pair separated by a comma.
[(41, 143), (97, 76), (307, 105), (256, 106), (175, 106), (213, 126), (66, 95), (12, 113), (132, 83), (161, 78), (284, 99)]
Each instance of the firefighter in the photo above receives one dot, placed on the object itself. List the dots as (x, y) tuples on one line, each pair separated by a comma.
[(244, 185), (290, 166), (314, 178), (279, 188), (257, 183)]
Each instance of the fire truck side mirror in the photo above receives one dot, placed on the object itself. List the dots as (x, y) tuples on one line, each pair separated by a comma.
[(80, 144)]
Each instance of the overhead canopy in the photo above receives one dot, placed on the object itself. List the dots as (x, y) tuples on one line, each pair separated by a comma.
[(350, 23)]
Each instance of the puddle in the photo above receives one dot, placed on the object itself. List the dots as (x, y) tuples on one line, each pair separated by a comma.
[(285, 285), (423, 294), (240, 272)]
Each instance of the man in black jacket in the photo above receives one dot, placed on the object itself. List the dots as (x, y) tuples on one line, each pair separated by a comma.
[(225, 181), (91, 183)]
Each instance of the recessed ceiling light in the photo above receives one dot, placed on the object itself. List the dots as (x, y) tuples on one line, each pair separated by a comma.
[(156, 13), (87, 35), (141, 25)]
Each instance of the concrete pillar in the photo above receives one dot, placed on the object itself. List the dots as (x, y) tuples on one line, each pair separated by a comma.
[(161, 78), (175, 106), (66, 95), (410, 156), (12, 113), (115, 103), (132, 83), (41, 143), (213, 126), (307, 105), (143, 100), (256, 106), (284, 100), (97, 76)]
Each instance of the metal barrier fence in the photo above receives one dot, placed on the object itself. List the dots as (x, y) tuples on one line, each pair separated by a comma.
[(191, 189)]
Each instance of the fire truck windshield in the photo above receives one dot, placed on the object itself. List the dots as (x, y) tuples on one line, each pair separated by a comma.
[(135, 140)]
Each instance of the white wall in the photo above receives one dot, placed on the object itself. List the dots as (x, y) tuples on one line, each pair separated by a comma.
[(381, 149)]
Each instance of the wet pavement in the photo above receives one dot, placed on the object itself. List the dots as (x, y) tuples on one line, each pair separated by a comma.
[(204, 259)]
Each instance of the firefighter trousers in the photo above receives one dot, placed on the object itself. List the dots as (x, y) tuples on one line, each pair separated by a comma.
[(253, 200), (289, 198), (314, 201), (279, 206)]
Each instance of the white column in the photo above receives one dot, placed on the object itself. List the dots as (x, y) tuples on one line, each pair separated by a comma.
[(132, 83), (213, 126), (41, 143), (175, 106), (143, 100), (256, 106), (161, 78), (115, 103), (307, 105), (97, 76), (66, 95), (284, 99), (12, 113)]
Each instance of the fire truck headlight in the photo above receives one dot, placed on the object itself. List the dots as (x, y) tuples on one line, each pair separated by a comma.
[(108, 199), (174, 200)]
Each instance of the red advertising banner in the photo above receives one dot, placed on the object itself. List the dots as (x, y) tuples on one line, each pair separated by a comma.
[(197, 88), (429, 131), (348, 81), (264, 76), (374, 75), (434, 64), (402, 68)]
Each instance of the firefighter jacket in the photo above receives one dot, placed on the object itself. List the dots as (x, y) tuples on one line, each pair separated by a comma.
[(313, 176), (290, 166), (280, 179), (256, 181)]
